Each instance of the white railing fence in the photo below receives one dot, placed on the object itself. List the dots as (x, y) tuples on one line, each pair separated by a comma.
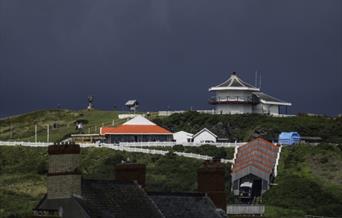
[(118, 148), (241, 209), (171, 144)]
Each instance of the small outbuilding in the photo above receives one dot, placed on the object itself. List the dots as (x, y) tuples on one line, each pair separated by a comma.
[(289, 138), (254, 168), (182, 137), (204, 136)]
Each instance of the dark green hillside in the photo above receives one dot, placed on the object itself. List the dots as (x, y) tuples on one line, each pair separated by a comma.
[(309, 182), (243, 127), (23, 174)]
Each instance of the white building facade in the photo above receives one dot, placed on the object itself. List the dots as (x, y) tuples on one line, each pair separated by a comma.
[(235, 96), (204, 136), (182, 137)]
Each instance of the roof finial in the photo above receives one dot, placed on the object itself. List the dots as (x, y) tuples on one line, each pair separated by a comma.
[(234, 73)]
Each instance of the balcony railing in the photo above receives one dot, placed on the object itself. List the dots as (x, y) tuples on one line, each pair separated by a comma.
[(231, 100)]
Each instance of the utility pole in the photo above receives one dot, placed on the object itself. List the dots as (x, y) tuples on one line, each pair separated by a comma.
[(260, 81), (35, 133), (48, 133), (11, 131)]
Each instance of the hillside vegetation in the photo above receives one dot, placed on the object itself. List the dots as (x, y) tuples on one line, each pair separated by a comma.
[(61, 124), (309, 181), (246, 126), (233, 127), (23, 180)]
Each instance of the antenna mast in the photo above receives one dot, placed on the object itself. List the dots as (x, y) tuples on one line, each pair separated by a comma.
[(260, 81), (256, 79)]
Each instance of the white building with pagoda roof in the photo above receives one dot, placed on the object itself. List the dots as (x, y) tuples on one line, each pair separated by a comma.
[(235, 96)]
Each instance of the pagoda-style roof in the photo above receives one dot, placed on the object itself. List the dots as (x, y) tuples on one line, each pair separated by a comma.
[(234, 83)]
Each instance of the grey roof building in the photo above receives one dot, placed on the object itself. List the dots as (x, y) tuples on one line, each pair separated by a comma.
[(70, 196), (189, 205), (235, 96)]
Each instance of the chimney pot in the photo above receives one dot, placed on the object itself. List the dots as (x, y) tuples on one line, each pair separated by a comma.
[(211, 180), (126, 172)]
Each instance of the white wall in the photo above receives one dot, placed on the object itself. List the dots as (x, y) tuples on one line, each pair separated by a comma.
[(182, 137), (266, 109), (233, 93), (204, 136), (233, 108)]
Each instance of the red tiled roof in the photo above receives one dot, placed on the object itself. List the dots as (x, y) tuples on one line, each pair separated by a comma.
[(258, 153), (134, 130)]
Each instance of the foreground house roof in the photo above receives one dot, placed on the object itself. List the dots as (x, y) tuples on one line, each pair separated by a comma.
[(139, 125), (257, 157), (234, 83), (114, 199), (189, 205), (106, 198)]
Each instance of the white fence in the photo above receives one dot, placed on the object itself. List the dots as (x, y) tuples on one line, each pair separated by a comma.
[(118, 148), (242, 209), (171, 144), (147, 144), (169, 113)]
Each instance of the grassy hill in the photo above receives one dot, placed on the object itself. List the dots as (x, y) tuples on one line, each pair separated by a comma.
[(23, 180), (233, 127), (244, 127), (61, 123), (309, 181)]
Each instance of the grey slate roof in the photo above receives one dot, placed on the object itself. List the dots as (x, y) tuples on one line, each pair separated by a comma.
[(189, 205), (110, 198), (106, 198)]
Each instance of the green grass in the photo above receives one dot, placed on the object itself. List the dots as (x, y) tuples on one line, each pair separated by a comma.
[(309, 182), (23, 180), (22, 127), (226, 153)]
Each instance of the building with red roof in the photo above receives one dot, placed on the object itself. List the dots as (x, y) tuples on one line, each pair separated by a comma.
[(254, 167), (138, 129)]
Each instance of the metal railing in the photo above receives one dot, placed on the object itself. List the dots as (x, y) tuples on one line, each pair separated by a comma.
[(230, 99)]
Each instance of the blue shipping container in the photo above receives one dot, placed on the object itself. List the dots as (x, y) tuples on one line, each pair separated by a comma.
[(289, 138)]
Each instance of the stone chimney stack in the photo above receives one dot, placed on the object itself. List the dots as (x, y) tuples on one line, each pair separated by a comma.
[(131, 172), (64, 177), (211, 180)]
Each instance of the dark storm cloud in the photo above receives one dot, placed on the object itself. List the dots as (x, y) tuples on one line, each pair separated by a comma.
[(167, 53)]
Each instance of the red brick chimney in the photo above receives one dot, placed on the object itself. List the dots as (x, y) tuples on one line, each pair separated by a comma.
[(131, 172), (64, 177), (211, 180)]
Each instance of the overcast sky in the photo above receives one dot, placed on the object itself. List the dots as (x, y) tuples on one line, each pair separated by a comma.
[(167, 53)]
